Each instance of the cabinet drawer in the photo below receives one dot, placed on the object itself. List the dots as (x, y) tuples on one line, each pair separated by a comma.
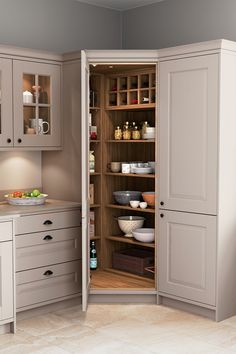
[(44, 248), (6, 231), (48, 221), (35, 286)]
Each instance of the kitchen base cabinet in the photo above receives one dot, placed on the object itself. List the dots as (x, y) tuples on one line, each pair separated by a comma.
[(45, 284), (7, 311), (187, 256), (48, 257)]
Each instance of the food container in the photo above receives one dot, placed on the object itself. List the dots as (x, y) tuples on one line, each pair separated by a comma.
[(129, 223), (142, 170), (149, 197), (27, 201), (133, 260), (144, 234), (124, 197)]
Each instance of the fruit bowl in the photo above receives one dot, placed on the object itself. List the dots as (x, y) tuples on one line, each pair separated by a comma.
[(27, 200), (129, 223)]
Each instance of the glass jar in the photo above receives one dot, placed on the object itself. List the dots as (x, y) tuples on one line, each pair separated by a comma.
[(118, 133), (91, 162), (144, 127), (126, 133), (136, 133)]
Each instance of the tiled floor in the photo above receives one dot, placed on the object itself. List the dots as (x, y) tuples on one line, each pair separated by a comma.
[(121, 329)]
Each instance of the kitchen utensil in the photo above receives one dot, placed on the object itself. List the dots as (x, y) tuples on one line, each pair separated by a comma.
[(142, 170), (129, 223), (149, 197), (124, 197), (144, 234), (134, 203), (27, 201), (114, 167), (143, 205)]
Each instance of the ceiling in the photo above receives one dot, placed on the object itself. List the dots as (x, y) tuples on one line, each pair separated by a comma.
[(120, 5)]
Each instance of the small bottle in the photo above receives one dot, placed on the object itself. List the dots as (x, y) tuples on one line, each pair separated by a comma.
[(136, 133), (91, 162), (93, 256), (144, 127), (126, 133), (118, 133)]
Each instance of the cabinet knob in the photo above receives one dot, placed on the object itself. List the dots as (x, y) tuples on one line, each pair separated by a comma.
[(8, 140), (162, 203), (48, 272), (47, 222), (48, 237), (162, 215), (19, 141)]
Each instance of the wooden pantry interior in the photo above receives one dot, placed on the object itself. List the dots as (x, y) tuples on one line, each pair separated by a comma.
[(121, 93)]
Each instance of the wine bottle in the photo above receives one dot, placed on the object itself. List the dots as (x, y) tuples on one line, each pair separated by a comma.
[(93, 256)]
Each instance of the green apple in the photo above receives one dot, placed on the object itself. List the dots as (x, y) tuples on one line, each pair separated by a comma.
[(35, 193)]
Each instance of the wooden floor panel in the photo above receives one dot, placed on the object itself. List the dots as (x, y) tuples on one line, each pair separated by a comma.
[(102, 279)]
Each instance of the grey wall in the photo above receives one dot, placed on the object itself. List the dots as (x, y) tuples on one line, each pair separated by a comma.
[(58, 25), (174, 22)]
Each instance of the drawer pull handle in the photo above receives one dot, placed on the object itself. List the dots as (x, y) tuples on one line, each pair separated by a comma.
[(48, 237), (47, 222), (48, 272)]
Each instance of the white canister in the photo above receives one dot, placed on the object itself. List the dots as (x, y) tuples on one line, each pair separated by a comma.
[(27, 97), (125, 167)]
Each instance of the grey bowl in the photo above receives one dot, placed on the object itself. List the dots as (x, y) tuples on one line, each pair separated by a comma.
[(124, 197)]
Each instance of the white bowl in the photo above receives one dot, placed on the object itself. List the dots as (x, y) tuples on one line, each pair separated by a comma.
[(142, 170), (143, 205), (128, 224), (134, 203), (144, 235), (149, 135)]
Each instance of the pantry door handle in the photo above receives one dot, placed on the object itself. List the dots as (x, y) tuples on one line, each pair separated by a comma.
[(48, 237), (47, 222), (48, 272)]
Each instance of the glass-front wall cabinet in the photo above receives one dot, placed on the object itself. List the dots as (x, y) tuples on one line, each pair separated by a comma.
[(36, 104), (6, 131)]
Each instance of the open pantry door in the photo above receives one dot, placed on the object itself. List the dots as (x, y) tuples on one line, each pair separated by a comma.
[(85, 178)]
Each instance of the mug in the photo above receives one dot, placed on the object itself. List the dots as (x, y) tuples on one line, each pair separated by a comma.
[(43, 126), (114, 166)]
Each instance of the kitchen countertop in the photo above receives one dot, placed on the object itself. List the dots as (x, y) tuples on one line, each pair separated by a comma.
[(7, 210)]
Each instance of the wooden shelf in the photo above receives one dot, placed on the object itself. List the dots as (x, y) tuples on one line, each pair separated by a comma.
[(94, 141), (116, 206), (151, 175), (132, 106), (95, 174), (36, 105), (131, 141), (94, 108), (94, 238), (110, 278), (93, 206), (130, 240)]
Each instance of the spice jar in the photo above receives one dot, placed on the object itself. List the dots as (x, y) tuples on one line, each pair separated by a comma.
[(136, 133), (144, 127), (118, 133), (126, 133)]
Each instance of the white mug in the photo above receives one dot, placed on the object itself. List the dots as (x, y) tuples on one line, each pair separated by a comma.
[(43, 126)]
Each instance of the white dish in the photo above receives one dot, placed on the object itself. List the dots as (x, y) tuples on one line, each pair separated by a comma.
[(134, 203), (144, 235), (142, 170), (143, 205), (129, 223), (147, 136), (27, 201)]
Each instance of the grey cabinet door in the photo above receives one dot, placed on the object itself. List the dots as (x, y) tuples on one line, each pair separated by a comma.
[(37, 104), (6, 117), (187, 256), (188, 112), (6, 281)]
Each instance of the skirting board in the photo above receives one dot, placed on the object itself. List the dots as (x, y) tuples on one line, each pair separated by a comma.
[(122, 298), (197, 310), (48, 308)]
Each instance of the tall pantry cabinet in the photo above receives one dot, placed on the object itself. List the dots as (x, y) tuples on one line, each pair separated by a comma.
[(195, 228)]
